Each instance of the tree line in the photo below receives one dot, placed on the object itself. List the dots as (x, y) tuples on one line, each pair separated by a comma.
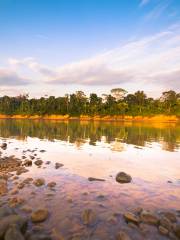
[(118, 102)]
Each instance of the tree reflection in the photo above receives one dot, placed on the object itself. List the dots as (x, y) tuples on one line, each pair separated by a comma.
[(79, 133)]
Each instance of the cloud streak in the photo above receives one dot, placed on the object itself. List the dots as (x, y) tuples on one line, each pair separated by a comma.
[(11, 78), (151, 60), (144, 2)]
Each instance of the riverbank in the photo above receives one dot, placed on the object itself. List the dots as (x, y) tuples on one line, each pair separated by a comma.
[(156, 118)]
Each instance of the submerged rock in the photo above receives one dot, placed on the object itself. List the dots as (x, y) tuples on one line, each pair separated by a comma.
[(148, 217), (39, 182), (163, 230), (4, 146), (51, 184), (58, 165), (130, 217), (123, 177), (88, 217), (3, 186), (10, 220), (177, 230), (95, 179), (38, 162), (122, 236), (39, 215), (13, 233)]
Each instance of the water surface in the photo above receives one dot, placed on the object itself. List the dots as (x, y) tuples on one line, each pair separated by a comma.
[(148, 152)]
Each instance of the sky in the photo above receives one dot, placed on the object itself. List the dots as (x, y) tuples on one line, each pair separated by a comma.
[(54, 47)]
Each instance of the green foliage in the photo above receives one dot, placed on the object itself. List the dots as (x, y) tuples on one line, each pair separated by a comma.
[(76, 104)]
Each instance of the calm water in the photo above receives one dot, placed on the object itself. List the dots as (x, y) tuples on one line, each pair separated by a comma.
[(150, 153)]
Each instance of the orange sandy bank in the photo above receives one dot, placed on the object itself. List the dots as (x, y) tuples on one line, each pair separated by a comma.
[(156, 118)]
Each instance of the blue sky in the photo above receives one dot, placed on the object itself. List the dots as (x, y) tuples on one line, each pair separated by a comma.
[(55, 47)]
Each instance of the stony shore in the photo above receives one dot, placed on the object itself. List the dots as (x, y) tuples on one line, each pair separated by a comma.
[(21, 222)]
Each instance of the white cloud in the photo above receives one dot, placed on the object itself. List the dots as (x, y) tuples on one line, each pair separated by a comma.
[(153, 61), (11, 78)]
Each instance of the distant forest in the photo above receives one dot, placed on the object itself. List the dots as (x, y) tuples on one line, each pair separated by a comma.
[(118, 102)]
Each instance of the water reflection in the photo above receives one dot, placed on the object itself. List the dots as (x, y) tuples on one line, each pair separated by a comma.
[(79, 133)]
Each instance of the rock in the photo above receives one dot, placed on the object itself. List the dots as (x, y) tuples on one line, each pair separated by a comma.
[(13, 233), (28, 163), (39, 236), (39, 215), (48, 162), (42, 151), (21, 170), (148, 217), (122, 177), (95, 179), (122, 236), (171, 216), (14, 192), (5, 211), (51, 184), (164, 222), (88, 217), (163, 230), (32, 157), (14, 202), (4, 146), (38, 162), (39, 182), (3, 186), (176, 229), (6, 222), (58, 165), (130, 217)]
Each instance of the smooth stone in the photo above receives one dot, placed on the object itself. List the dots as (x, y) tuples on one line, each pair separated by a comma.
[(4, 146), (95, 179), (39, 236), (3, 186), (51, 184), (177, 230), (39, 182), (13, 233), (5, 211), (163, 230), (38, 162), (88, 217), (7, 221), (171, 216), (148, 217), (123, 177), (122, 236), (39, 215), (58, 165), (164, 222), (130, 217)]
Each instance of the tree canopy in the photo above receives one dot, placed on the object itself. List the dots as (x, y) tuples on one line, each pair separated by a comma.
[(118, 102)]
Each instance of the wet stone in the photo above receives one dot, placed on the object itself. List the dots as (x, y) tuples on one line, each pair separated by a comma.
[(39, 215), (123, 177), (39, 182), (130, 217), (88, 217), (13, 233), (58, 165), (96, 179), (148, 217), (163, 230), (122, 236), (38, 162)]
